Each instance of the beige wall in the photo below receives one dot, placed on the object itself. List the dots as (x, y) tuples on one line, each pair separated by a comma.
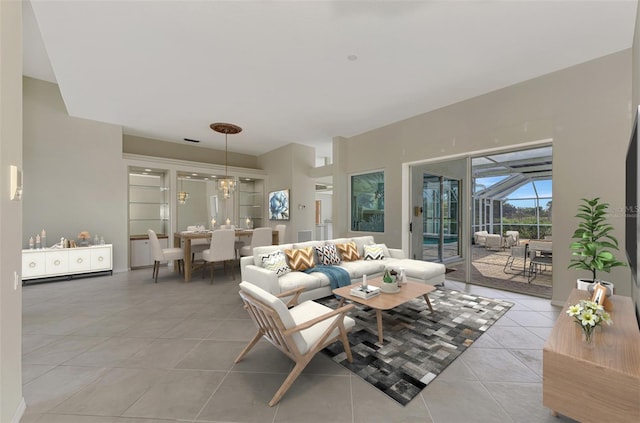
[(584, 109), (11, 401), (289, 167), (183, 151), (74, 175), (635, 101)]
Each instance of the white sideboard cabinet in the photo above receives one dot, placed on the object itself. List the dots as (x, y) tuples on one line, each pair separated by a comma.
[(50, 262)]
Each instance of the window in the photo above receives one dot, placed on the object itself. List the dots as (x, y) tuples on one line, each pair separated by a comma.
[(367, 202)]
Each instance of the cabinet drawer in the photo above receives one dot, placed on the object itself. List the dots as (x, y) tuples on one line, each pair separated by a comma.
[(33, 265), (56, 262), (79, 260), (101, 258)]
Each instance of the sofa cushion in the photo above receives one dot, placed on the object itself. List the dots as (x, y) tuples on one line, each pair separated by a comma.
[(301, 258), (308, 281), (361, 241), (266, 249), (276, 262), (328, 255), (418, 269), (373, 252), (349, 251), (310, 309), (363, 267)]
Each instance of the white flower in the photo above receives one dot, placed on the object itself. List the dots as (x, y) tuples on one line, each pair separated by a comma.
[(587, 318), (574, 310)]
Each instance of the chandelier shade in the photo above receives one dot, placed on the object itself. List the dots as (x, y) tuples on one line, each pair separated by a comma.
[(228, 184), (183, 196)]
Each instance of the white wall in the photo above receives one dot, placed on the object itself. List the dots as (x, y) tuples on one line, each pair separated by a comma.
[(289, 167), (583, 109), (11, 401), (74, 175)]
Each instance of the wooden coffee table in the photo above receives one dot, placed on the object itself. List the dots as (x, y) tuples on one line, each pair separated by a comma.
[(408, 291)]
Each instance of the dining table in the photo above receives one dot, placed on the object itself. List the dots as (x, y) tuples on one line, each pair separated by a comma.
[(183, 240)]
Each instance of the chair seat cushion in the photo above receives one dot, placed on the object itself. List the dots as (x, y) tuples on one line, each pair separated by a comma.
[(309, 310), (173, 253)]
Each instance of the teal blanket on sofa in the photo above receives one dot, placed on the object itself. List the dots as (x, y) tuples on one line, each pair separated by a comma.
[(338, 277)]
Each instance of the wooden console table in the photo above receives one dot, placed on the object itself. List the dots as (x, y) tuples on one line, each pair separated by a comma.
[(600, 383)]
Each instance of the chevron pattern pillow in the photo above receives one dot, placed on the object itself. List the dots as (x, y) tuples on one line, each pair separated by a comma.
[(328, 255), (276, 262), (373, 252), (300, 259), (349, 251)]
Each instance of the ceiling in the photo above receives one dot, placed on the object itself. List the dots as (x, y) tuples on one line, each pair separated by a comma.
[(301, 71)]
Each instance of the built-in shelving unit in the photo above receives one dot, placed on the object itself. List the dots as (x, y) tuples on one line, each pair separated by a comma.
[(148, 203), (251, 202)]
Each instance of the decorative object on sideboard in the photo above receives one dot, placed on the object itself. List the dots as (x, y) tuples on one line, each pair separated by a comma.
[(43, 239), (84, 237), (228, 184), (588, 315), (594, 242)]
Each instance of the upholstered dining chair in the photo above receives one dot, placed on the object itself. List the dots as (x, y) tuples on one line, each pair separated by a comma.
[(282, 230), (163, 254), (238, 244), (299, 332), (221, 249), (259, 238), (197, 245)]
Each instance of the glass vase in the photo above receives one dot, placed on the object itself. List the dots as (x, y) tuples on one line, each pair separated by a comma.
[(587, 337)]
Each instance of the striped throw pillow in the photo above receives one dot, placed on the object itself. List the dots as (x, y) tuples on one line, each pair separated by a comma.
[(300, 259), (349, 251), (373, 252), (275, 262), (328, 255)]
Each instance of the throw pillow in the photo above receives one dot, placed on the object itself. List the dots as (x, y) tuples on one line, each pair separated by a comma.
[(349, 251), (275, 262), (328, 255), (301, 258), (373, 252)]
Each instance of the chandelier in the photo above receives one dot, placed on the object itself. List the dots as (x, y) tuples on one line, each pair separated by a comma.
[(228, 184), (183, 196)]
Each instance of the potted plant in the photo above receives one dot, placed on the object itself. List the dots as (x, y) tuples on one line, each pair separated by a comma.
[(594, 243), (389, 283)]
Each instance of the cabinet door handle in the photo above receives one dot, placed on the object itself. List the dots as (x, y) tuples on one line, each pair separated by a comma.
[(32, 265), (57, 262), (79, 260)]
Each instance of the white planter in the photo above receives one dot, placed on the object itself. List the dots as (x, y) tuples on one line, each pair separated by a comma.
[(389, 288), (584, 284)]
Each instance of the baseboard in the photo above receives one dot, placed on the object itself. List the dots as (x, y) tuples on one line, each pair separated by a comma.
[(22, 407)]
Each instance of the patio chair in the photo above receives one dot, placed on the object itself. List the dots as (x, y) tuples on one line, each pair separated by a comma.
[(493, 242), (480, 237), (517, 252), (512, 238), (299, 332)]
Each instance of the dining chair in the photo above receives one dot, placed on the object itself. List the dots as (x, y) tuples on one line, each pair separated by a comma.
[(238, 244), (299, 332), (220, 250), (282, 229), (197, 245), (260, 237), (163, 254)]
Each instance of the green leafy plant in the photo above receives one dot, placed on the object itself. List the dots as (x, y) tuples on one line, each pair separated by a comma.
[(593, 240), (387, 277)]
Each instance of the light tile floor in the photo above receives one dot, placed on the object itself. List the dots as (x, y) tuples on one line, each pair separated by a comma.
[(122, 349)]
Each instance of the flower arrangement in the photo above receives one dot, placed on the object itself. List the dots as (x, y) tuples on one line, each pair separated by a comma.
[(84, 235), (588, 315)]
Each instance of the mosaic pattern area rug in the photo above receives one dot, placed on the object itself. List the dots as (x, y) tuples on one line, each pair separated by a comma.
[(418, 345)]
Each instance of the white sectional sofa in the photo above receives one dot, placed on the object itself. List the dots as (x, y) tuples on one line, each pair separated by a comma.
[(317, 285)]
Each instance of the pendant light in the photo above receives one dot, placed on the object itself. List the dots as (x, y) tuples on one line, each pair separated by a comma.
[(228, 184), (183, 196)]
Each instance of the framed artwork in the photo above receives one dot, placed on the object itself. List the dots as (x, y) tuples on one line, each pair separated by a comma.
[(279, 205)]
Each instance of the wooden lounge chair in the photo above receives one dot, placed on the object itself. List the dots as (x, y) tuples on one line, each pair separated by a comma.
[(299, 332)]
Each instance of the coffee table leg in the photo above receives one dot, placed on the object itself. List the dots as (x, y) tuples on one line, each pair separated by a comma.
[(379, 319), (428, 302), (341, 303)]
